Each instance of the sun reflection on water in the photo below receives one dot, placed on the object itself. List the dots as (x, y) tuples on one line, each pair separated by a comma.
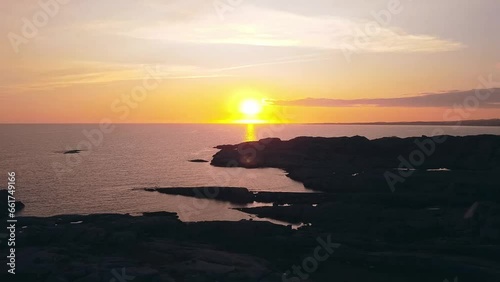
[(250, 134)]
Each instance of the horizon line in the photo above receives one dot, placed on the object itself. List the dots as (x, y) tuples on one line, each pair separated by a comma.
[(455, 122)]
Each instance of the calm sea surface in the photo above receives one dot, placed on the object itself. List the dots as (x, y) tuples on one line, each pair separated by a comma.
[(105, 177)]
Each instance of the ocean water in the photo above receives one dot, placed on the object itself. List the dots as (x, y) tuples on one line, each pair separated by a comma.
[(108, 176)]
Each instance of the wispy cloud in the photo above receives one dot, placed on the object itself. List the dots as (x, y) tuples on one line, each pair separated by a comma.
[(264, 27), (98, 73), (278, 61), (439, 100)]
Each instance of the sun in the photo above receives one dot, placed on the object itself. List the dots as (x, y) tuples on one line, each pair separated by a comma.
[(250, 107)]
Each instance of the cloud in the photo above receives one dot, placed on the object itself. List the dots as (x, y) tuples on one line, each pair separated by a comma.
[(248, 25), (87, 73), (487, 98)]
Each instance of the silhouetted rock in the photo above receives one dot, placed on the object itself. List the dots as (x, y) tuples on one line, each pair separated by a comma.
[(72, 152), (438, 178), (159, 247), (147, 248), (350, 164), (198, 161), (228, 194), (435, 225)]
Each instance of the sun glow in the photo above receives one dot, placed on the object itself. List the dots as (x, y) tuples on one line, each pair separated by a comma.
[(250, 107)]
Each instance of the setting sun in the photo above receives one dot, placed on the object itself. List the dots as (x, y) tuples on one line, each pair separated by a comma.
[(250, 107)]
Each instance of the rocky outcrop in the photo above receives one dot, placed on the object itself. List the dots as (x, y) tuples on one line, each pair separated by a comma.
[(436, 225), (441, 210), (72, 152), (357, 164), (156, 247), (240, 195), (198, 161), (229, 194)]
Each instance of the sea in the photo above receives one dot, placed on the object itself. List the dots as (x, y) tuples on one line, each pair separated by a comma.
[(118, 161)]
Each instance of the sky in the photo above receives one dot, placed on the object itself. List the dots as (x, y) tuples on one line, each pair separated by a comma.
[(197, 61)]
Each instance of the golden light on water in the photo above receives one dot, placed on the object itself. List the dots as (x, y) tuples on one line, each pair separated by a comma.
[(250, 134)]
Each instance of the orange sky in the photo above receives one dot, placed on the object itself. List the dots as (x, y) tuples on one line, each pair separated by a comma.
[(193, 62)]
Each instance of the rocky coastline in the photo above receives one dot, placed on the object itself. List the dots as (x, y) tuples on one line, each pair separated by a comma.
[(438, 221)]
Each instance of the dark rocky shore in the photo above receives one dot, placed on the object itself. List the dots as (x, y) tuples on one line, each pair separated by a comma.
[(235, 195), (380, 216), (152, 247), (356, 164)]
